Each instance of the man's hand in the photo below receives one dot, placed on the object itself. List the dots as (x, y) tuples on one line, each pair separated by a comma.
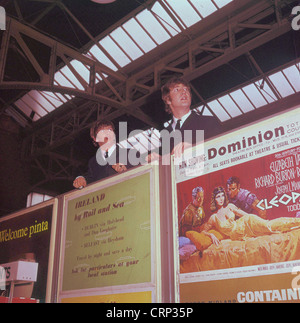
[(152, 157), (80, 182), (119, 168)]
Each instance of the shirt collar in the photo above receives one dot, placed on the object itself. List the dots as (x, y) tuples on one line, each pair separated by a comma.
[(110, 151), (182, 120)]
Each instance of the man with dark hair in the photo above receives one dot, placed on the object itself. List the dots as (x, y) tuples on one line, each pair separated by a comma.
[(243, 199), (110, 158), (177, 96)]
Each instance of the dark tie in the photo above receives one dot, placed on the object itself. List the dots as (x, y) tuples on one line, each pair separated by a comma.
[(106, 154), (177, 127)]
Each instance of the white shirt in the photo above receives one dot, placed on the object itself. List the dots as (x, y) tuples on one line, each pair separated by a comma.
[(110, 151), (182, 120)]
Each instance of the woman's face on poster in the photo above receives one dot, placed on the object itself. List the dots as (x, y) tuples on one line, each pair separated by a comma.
[(220, 199)]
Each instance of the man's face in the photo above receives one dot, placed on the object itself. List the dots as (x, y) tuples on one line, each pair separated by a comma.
[(233, 190), (179, 98), (106, 137)]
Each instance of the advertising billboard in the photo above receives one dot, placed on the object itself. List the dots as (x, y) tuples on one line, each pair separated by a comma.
[(237, 214), (110, 238), (28, 236)]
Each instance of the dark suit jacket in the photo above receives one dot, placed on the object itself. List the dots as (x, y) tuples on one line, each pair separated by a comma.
[(102, 169), (194, 122)]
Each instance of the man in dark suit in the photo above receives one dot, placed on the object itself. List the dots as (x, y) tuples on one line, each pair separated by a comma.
[(110, 159), (177, 96)]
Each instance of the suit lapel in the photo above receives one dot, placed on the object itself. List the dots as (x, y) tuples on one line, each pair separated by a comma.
[(190, 120)]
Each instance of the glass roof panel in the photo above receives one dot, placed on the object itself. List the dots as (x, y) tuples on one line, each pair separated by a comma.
[(52, 98), (71, 79), (216, 107), (61, 80), (254, 95), (42, 101), (34, 105), (281, 83), (204, 7), (222, 3), (153, 27), (120, 36), (62, 97), (185, 11), (242, 101), (117, 54), (23, 107), (139, 35), (265, 90), (293, 74), (82, 70), (165, 19), (207, 112), (230, 106), (102, 58)]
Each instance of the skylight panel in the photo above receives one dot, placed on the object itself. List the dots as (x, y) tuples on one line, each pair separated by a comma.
[(120, 36), (230, 106), (254, 96), (139, 35), (70, 79), (36, 117), (62, 97), (184, 11), (281, 83), (207, 112), (117, 54), (102, 58), (266, 91), (222, 3), (82, 70), (219, 111), (204, 7), (23, 107), (34, 105), (42, 101), (153, 27), (60, 79), (165, 19), (242, 101), (203, 110), (50, 96), (293, 75), (46, 102)]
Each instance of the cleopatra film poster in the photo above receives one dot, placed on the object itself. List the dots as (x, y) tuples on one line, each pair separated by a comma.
[(237, 206), (29, 236)]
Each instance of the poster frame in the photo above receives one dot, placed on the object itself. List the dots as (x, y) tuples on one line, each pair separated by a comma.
[(52, 242), (154, 285), (183, 278)]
